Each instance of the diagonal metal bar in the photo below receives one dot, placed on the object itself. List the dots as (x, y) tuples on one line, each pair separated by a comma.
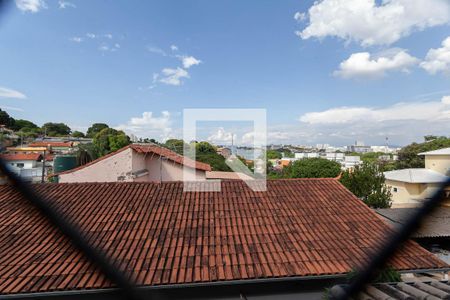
[(394, 242), (72, 233)]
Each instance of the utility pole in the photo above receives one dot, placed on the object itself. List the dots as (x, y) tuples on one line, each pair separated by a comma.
[(43, 168)]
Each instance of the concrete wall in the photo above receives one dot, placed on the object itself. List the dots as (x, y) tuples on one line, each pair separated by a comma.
[(111, 169), (160, 169), (410, 194), (438, 163)]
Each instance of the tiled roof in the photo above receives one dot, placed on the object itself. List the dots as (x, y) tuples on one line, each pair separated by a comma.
[(158, 150), (436, 224), (171, 155), (52, 144), (21, 156), (163, 236)]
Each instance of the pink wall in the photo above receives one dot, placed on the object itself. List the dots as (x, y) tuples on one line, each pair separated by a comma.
[(114, 168), (121, 166)]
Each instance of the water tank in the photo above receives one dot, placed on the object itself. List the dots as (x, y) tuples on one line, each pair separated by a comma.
[(63, 163)]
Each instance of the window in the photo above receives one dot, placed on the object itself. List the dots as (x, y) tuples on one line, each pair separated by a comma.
[(19, 165), (395, 190)]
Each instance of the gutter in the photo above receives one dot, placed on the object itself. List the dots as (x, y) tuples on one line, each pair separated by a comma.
[(224, 283)]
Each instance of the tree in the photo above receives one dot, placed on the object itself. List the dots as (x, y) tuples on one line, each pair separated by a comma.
[(408, 156), (205, 152), (109, 140), (175, 145), (86, 153), (273, 154), (24, 125), (367, 182), (56, 129), (5, 119), (78, 134), (95, 128), (311, 168)]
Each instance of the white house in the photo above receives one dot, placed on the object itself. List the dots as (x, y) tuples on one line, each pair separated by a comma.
[(26, 165)]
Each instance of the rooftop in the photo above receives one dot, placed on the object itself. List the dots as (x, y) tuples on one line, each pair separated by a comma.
[(227, 175), (150, 149), (444, 151), (436, 224), (21, 156), (163, 236), (418, 175), (51, 144)]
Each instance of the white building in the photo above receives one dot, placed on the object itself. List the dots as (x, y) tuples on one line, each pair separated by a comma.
[(410, 187), (27, 165)]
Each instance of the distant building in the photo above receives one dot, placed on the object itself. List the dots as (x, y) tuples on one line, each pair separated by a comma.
[(54, 147), (27, 165), (359, 149), (351, 161), (138, 163), (410, 187)]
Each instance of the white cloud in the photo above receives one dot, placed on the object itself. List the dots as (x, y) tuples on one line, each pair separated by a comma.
[(362, 65), (91, 35), (413, 111), (173, 48), (11, 94), (149, 126), (222, 136), (446, 100), (76, 39), (438, 60), (32, 6), (189, 61), (156, 50), (108, 36), (371, 23), (299, 16), (173, 76), (65, 4)]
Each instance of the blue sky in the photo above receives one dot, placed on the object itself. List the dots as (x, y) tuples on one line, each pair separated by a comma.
[(327, 72)]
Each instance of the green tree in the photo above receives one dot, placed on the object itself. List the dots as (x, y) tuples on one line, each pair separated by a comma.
[(367, 182), (109, 140), (86, 153), (95, 128), (56, 129), (408, 156), (311, 168), (175, 145), (273, 154), (205, 152), (78, 134), (24, 125), (6, 120)]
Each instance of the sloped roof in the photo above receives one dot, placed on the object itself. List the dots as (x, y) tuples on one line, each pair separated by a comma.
[(164, 236), (416, 176), (436, 224), (444, 151), (49, 143), (21, 156), (158, 150), (227, 175)]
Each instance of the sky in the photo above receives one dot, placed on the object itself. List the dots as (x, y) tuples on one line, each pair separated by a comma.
[(330, 71)]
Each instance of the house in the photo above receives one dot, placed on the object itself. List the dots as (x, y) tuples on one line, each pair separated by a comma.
[(289, 242), (26, 165), (410, 187), (434, 233), (136, 162), (54, 147)]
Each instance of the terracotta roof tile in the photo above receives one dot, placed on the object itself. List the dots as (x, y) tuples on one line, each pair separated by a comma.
[(160, 235), (51, 144), (21, 156), (158, 150)]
